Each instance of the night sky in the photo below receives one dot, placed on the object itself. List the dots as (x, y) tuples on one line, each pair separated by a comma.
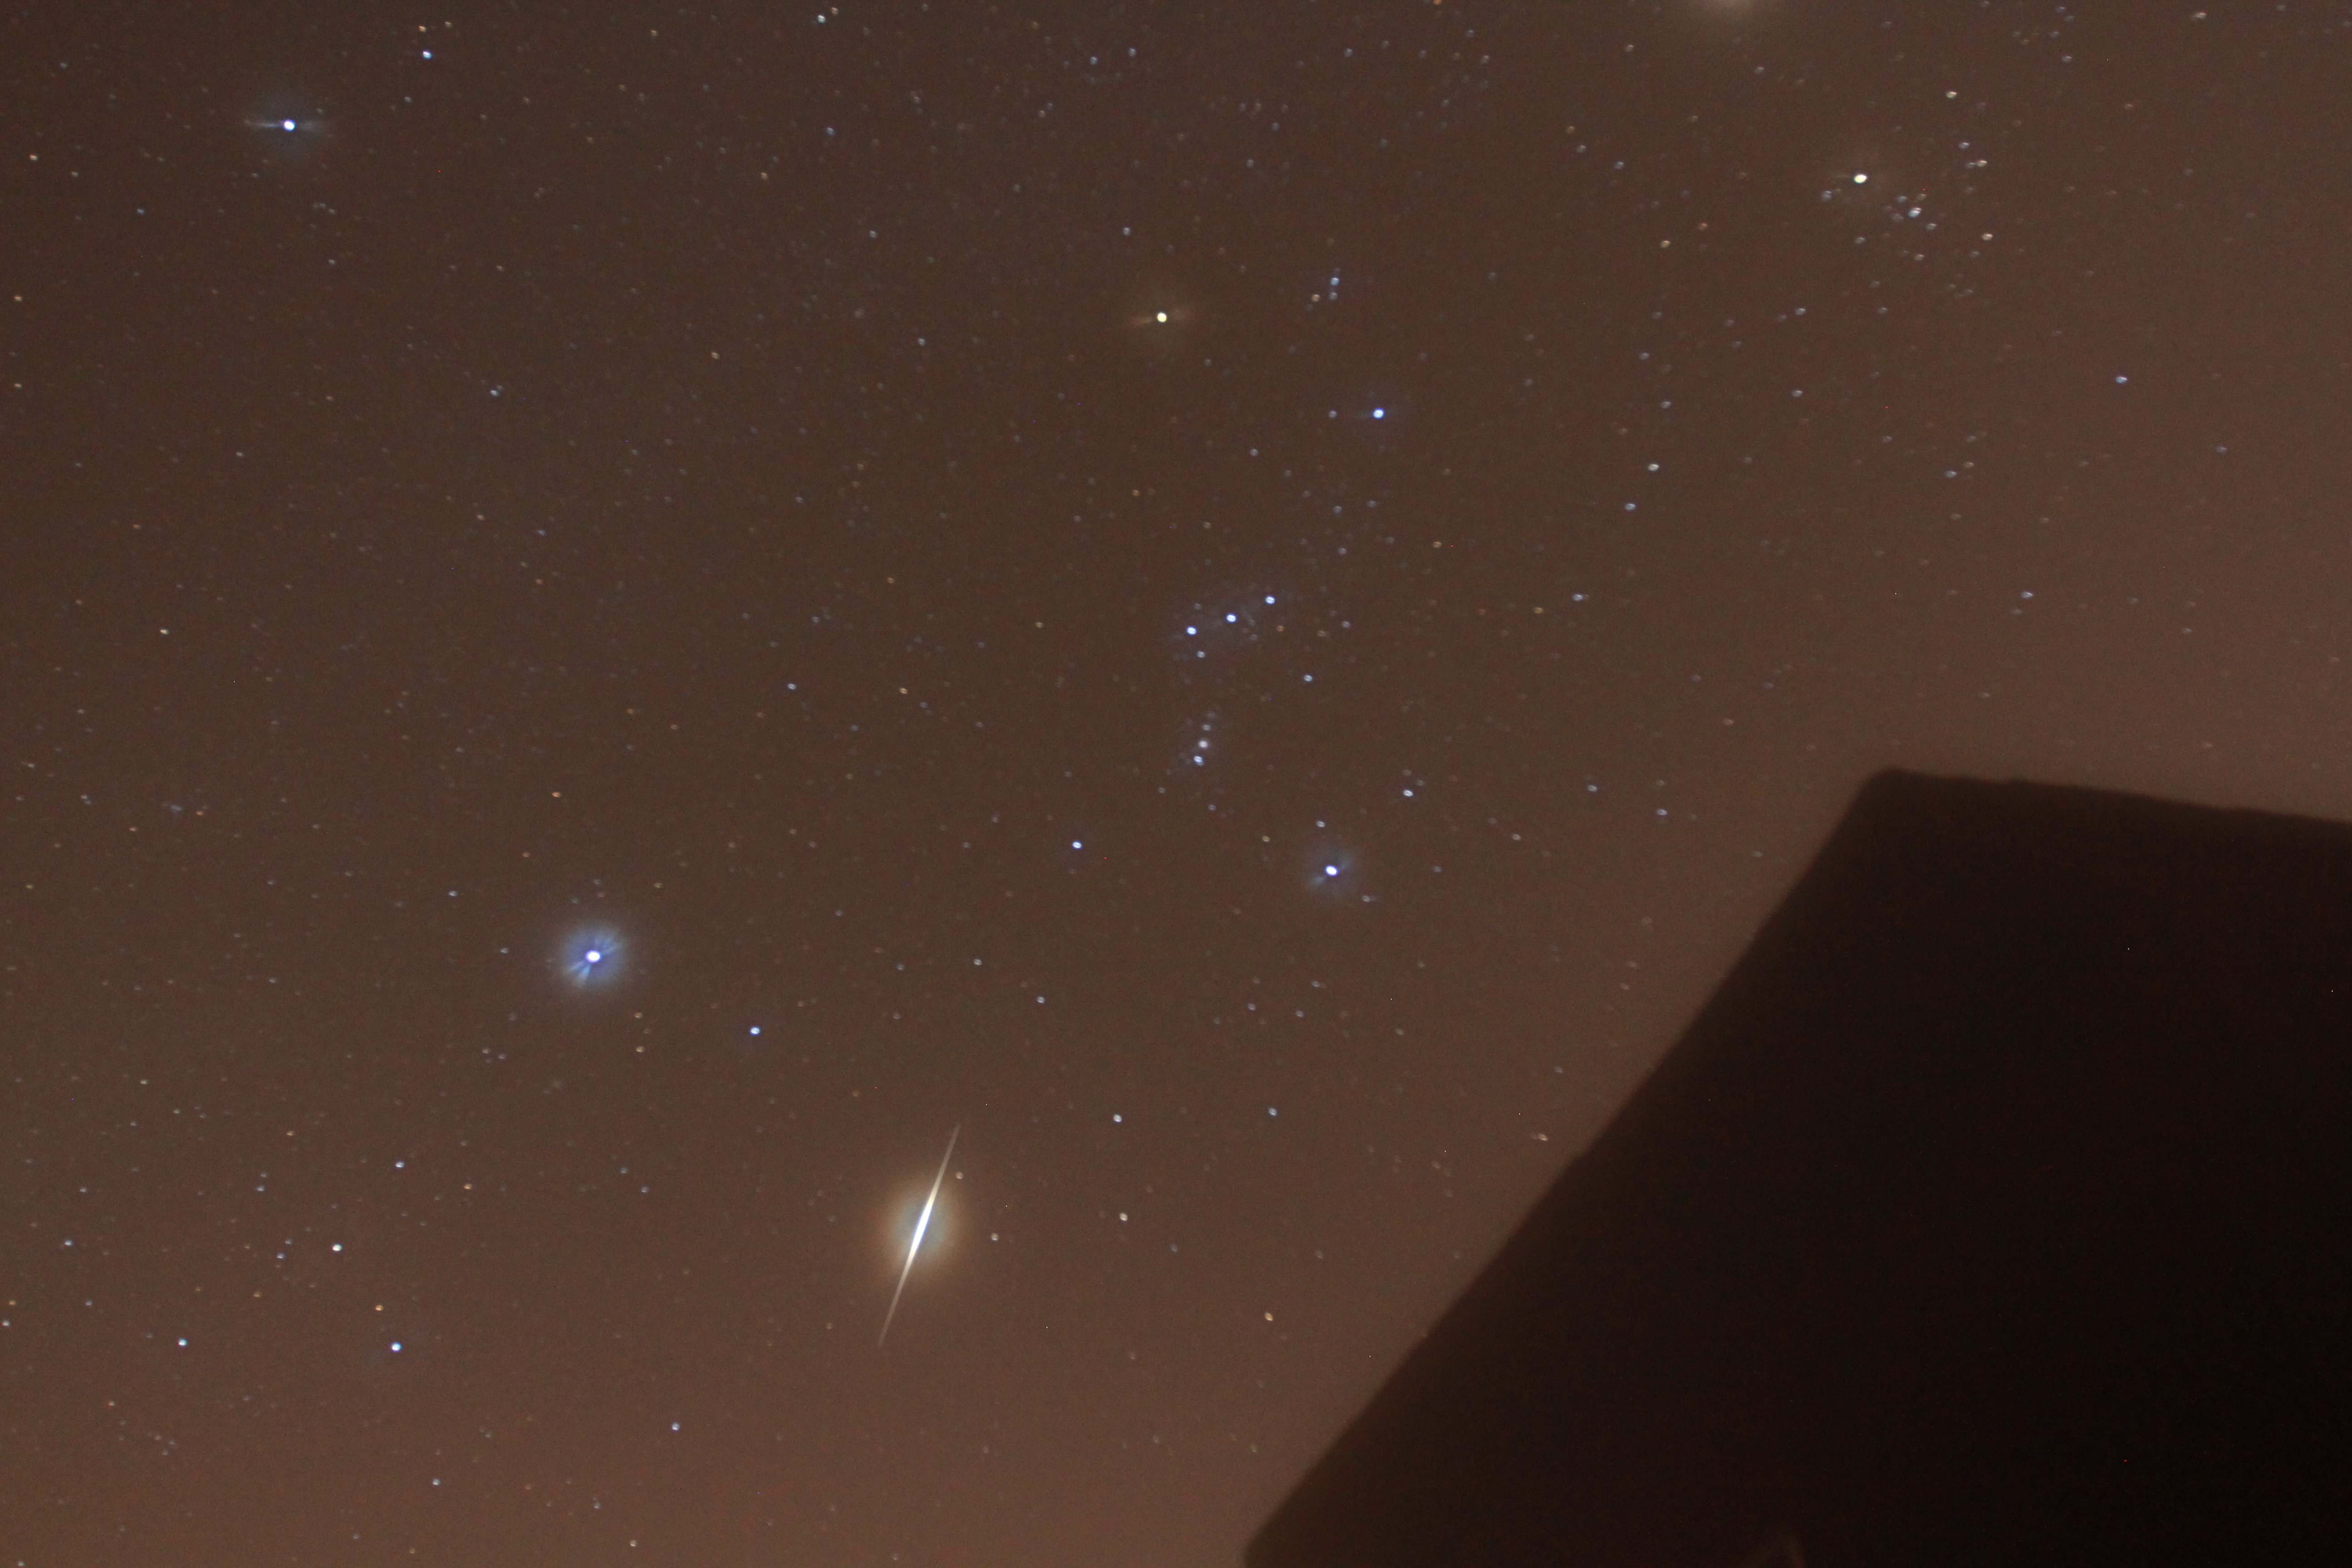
[(1240, 607)]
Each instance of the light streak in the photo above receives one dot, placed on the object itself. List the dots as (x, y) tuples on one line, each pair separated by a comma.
[(922, 1224)]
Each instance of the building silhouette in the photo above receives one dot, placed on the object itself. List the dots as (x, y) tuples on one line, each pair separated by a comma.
[(1996, 1209)]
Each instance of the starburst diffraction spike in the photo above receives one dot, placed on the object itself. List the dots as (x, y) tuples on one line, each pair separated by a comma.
[(593, 958), (922, 1224)]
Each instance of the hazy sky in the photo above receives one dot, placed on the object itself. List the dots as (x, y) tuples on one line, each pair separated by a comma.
[(1246, 604)]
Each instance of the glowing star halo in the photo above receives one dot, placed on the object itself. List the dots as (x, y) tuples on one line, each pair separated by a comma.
[(922, 1224), (291, 133), (591, 959)]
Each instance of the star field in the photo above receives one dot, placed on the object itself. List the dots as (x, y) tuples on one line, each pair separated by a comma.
[(613, 620)]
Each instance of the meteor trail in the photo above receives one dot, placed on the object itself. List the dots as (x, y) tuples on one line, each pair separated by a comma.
[(922, 1224)]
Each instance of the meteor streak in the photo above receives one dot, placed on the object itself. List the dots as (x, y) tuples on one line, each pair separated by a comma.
[(922, 1224)]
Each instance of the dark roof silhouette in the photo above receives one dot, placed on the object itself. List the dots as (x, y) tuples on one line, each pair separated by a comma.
[(1997, 1208)]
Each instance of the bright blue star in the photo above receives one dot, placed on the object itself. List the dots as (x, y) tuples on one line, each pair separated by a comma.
[(1336, 873), (591, 959)]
